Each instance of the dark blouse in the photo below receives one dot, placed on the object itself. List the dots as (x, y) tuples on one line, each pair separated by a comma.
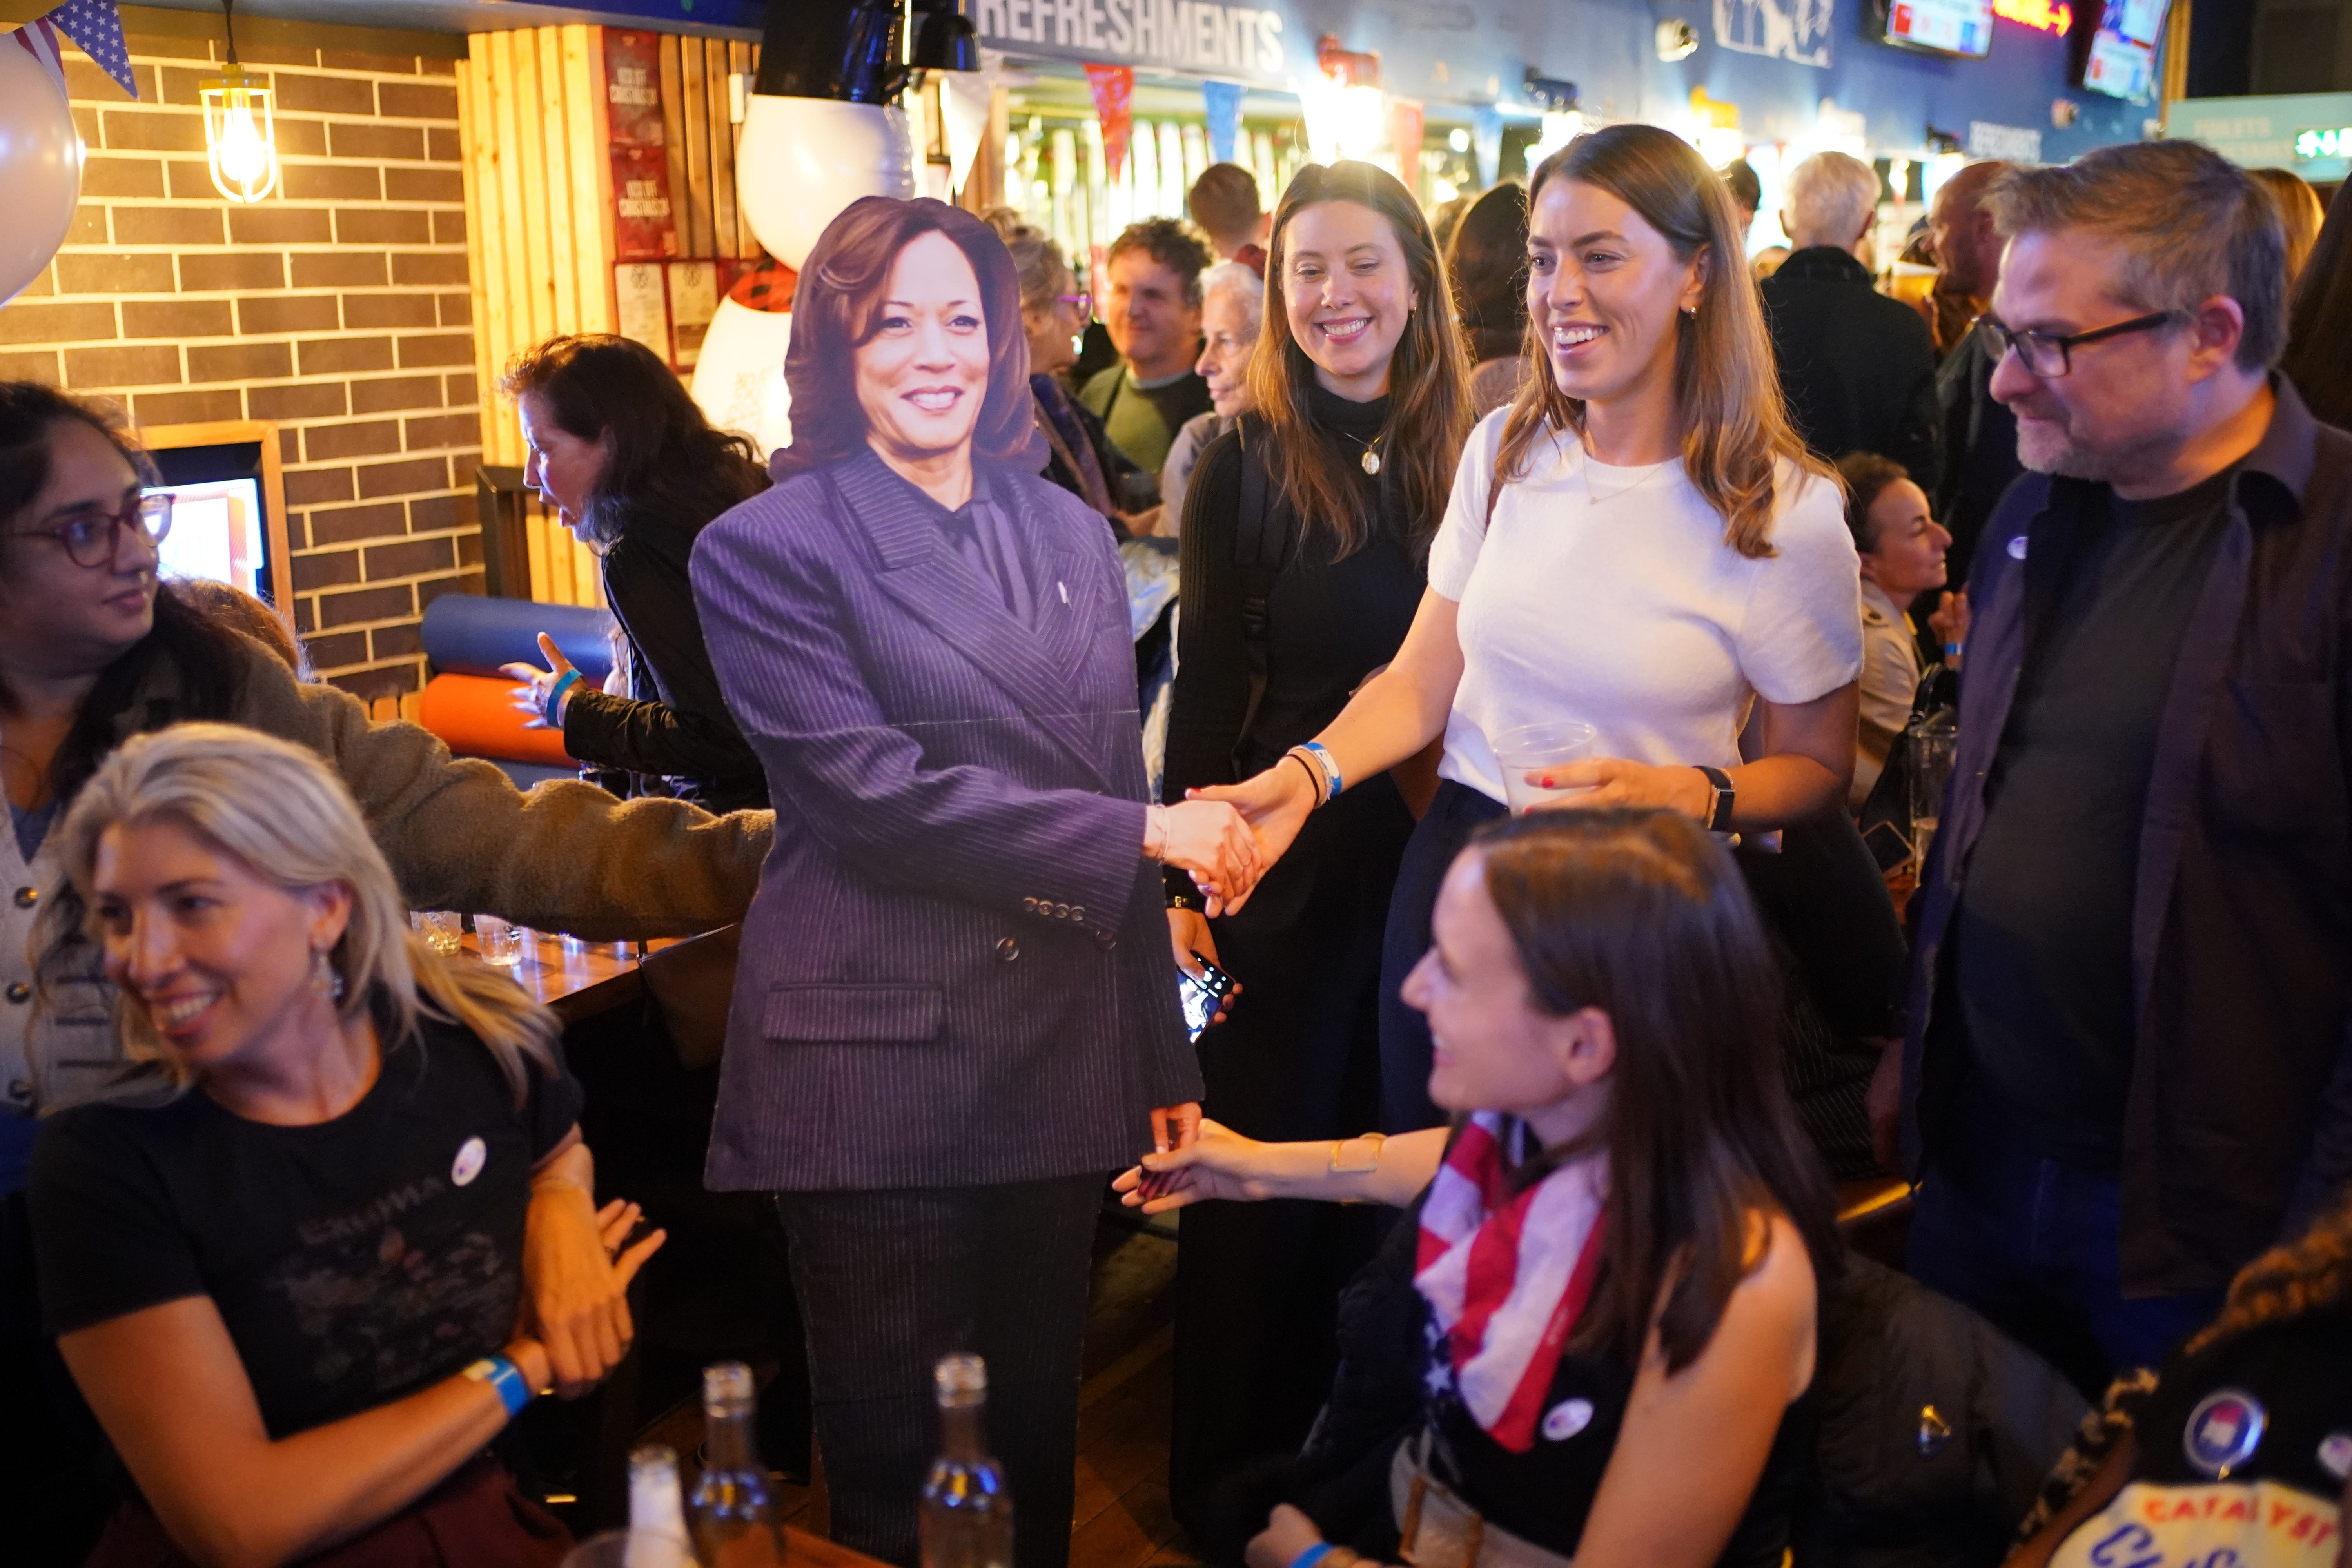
[(677, 729), (1330, 623)]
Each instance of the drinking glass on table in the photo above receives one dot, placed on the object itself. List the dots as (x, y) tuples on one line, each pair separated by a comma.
[(1531, 757), (443, 931), (501, 939), (631, 1549), (1933, 742)]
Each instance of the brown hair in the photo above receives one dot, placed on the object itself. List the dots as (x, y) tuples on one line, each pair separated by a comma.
[(231, 607), (2192, 223), (835, 314), (1224, 201), (1486, 259), (1739, 177), (1428, 397), (1036, 259), (2322, 324), (1639, 913), (1169, 243), (1867, 476), (2300, 212), (1735, 430), (667, 466)]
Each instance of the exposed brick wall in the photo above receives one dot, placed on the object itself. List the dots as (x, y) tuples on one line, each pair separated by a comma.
[(338, 308)]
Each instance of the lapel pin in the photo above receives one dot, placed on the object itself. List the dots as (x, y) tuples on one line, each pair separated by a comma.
[(1065, 587)]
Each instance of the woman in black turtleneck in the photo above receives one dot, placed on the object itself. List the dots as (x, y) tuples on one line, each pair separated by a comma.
[(1299, 581)]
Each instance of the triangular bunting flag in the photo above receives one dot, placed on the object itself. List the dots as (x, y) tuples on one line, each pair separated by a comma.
[(1114, 88), (96, 27), (40, 40)]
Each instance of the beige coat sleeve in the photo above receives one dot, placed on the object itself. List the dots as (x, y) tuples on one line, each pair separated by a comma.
[(565, 857)]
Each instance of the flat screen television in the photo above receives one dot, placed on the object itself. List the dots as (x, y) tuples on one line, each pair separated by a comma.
[(1962, 28), (228, 505), (2122, 59)]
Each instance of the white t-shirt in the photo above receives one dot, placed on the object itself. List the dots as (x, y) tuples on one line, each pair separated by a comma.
[(1630, 612)]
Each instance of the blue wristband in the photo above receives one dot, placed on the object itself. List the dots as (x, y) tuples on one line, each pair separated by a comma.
[(507, 1378), (563, 683), (1322, 755), (1312, 1555)]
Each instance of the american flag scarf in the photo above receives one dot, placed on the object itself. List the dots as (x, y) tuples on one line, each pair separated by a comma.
[(1507, 1273)]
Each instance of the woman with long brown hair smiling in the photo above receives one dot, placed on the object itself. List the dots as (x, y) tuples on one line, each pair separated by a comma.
[(1638, 543), (1305, 538)]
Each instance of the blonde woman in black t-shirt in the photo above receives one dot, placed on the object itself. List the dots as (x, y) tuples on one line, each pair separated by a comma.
[(338, 1228)]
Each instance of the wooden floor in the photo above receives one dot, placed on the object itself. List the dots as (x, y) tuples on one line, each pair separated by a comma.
[(1120, 1517)]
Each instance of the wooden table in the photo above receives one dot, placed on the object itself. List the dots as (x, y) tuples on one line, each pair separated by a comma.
[(806, 1550), (578, 978)]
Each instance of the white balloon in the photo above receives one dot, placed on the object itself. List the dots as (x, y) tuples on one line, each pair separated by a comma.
[(40, 169), (802, 160)]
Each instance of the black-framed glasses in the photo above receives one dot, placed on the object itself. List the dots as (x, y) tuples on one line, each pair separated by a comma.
[(2051, 354), (89, 537)]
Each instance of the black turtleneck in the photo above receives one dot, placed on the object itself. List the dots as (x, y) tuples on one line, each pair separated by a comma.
[(1329, 622)]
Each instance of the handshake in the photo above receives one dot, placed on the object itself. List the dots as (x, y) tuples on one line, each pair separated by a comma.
[(1229, 836)]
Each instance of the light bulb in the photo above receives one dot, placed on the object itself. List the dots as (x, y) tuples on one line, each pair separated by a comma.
[(244, 157)]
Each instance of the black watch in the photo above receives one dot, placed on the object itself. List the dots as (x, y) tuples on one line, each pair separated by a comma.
[(1719, 819)]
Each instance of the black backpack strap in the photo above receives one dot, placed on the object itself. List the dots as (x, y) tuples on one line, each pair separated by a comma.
[(1261, 535)]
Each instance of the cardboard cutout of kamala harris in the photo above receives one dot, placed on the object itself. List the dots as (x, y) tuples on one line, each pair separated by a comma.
[(955, 984)]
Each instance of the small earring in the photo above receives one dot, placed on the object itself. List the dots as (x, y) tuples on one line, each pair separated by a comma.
[(325, 976)]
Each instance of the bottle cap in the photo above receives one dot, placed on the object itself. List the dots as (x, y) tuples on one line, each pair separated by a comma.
[(652, 1456), (961, 1375), (726, 1382)]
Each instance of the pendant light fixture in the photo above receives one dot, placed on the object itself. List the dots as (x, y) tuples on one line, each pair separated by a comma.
[(240, 130)]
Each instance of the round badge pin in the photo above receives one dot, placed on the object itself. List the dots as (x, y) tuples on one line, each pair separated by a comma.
[(2336, 1455), (1567, 1418), (472, 1155), (2223, 1432), (2017, 548)]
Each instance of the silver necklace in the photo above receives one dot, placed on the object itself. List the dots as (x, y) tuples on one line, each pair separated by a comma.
[(1593, 497)]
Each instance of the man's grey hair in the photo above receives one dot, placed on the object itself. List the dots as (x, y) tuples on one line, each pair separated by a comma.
[(1233, 277), (1831, 197), (2190, 223)]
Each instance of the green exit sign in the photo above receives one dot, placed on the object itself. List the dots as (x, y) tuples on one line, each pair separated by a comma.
[(2314, 146)]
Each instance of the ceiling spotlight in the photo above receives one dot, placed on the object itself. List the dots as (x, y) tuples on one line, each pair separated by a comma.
[(1677, 40)]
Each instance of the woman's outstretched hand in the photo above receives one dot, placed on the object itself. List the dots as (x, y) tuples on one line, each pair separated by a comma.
[(530, 694), (576, 1274), (1213, 842), (1275, 803), (1218, 1163)]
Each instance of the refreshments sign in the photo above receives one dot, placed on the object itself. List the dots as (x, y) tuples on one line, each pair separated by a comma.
[(1198, 38)]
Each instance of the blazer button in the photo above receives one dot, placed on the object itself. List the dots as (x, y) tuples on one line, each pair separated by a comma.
[(1078, 914), (1007, 950), (20, 992), (27, 897), (1029, 905), (1061, 911)]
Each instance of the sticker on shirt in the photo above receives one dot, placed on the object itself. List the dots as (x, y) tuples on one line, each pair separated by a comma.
[(2336, 1455), (2223, 1432), (2257, 1524), (471, 1156), (1566, 1420)]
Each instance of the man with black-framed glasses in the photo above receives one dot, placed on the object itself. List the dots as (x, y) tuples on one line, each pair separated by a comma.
[(2127, 1069)]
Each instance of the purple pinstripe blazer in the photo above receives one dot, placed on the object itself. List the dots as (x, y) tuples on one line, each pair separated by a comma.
[(956, 969)]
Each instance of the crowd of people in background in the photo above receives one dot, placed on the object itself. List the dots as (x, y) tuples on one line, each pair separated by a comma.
[(1561, 589)]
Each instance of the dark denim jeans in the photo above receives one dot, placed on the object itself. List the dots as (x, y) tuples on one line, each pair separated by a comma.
[(2033, 1244)]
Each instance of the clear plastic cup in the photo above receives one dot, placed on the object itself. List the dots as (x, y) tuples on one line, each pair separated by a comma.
[(1531, 755), (632, 1548), (442, 930), (501, 940)]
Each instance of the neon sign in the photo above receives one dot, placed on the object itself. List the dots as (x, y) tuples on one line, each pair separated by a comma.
[(2041, 15), (2311, 147)]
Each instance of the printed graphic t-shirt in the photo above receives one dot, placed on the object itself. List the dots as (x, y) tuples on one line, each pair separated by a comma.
[(354, 1261)]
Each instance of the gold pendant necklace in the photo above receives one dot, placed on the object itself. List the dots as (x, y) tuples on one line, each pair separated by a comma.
[(1370, 462)]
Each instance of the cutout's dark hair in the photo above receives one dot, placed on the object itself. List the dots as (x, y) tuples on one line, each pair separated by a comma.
[(834, 312), (2321, 323), (207, 659), (1640, 914), (1429, 381), (668, 465)]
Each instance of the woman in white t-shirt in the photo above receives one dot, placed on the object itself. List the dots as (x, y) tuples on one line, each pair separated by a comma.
[(1640, 542)]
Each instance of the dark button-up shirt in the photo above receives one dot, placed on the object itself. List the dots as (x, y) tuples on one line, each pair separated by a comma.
[(2238, 1114)]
